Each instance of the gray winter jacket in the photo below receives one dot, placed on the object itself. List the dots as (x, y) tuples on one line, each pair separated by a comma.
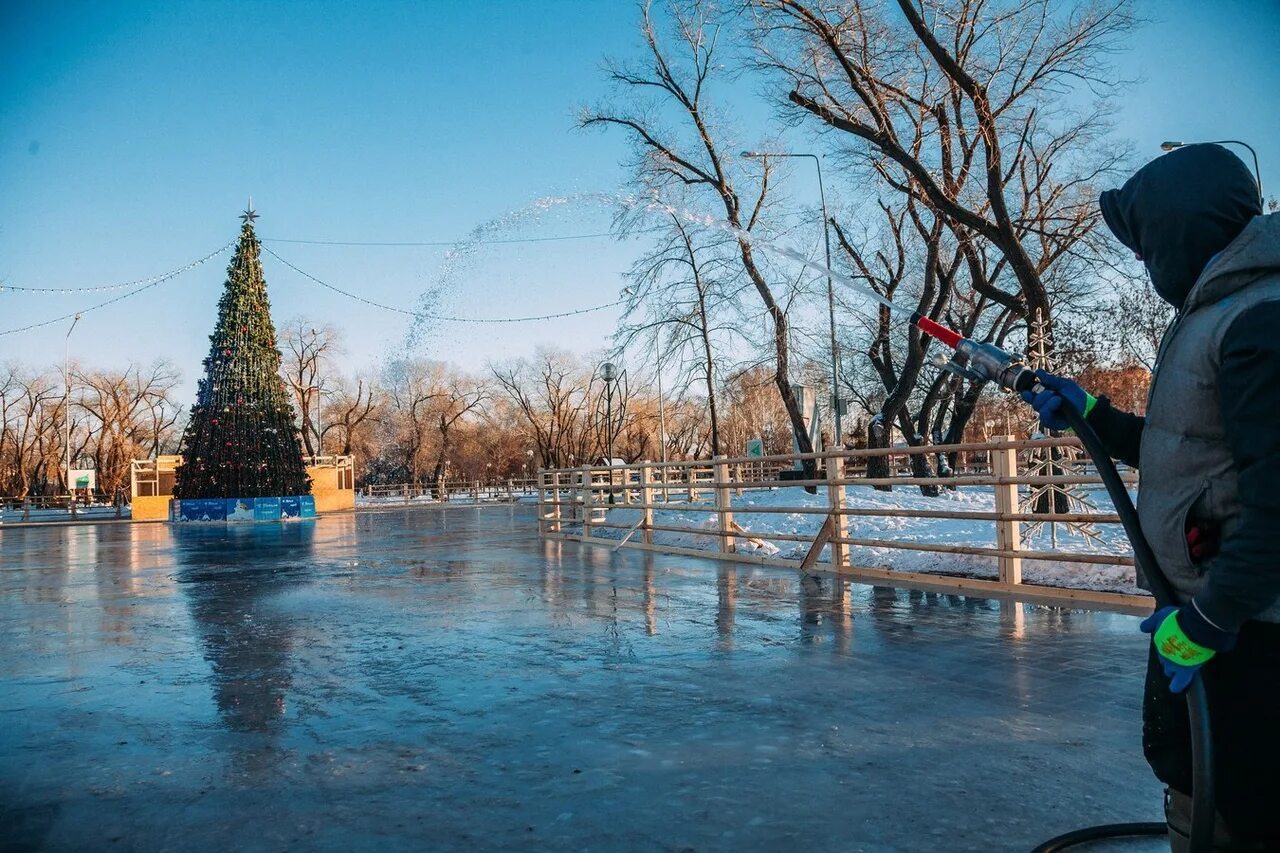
[(1209, 447), (1190, 470)]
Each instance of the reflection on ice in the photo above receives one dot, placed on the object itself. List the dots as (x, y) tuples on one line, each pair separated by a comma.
[(443, 678)]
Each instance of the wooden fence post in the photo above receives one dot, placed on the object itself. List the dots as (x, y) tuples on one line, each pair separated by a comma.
[(738, 477), (585, 479), (556, 499), (724, 500), (839, 522), (542, 503), (1008, 531), (646, 498)]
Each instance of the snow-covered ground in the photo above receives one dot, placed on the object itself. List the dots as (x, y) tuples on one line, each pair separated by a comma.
[(932, 531)]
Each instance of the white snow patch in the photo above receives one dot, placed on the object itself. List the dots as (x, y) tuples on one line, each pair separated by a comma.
[(933, 531)]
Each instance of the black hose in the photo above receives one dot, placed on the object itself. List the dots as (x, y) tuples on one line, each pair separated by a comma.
[(1203, 812), (1090, 834)]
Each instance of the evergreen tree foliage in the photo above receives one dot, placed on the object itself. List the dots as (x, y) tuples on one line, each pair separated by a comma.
[(242, 439)]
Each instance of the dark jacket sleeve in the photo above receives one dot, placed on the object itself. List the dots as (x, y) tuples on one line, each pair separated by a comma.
[(1120, 432), (1244, 579)]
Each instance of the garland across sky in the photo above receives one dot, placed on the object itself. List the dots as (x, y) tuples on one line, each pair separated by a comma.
[(147, 284)]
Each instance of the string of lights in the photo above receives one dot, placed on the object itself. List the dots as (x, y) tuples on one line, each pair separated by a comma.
[(149, 283), (441, 243), (429, 316), (145, 284), (155, 279)]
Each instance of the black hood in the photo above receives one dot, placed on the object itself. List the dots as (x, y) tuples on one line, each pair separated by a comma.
[(1180, 210)]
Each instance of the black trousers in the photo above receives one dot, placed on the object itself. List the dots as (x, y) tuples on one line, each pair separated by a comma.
[(1243, 686)]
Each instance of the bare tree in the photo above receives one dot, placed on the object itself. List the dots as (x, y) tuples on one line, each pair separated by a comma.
[(352, 410), (411, 390), (34, 414), (753, 411), (129, 414), (945, 91), (457, 395), (308, 353), (551, 392), (693, 159), (680, 290), (1137, 321)]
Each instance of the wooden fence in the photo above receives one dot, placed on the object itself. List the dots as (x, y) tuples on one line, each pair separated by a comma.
[(575, 504), (460, 491)]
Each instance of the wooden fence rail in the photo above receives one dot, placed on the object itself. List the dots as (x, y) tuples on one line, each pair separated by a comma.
[(452, 491), (575, 504)]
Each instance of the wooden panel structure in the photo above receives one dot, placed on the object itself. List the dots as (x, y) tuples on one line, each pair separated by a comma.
[(332, 483)]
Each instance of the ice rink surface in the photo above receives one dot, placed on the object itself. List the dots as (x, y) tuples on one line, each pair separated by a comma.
[(442, 679)]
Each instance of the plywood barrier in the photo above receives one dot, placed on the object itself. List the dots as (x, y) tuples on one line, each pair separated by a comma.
[(331, 487), (151, 507)]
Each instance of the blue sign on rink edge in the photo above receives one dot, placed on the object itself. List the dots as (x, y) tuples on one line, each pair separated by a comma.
[(243, 510)]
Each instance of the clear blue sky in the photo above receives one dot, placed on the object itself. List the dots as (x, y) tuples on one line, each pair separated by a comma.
[(132, 134)]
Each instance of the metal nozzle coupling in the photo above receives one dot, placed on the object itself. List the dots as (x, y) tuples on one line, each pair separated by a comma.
[(979, 362), (994, 364)]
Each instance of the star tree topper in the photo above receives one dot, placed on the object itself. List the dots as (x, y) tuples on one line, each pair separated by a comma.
[(249, 213)]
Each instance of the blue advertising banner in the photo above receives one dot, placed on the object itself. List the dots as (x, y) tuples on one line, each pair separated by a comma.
[(240, 509), (204, 509), (266, 509)]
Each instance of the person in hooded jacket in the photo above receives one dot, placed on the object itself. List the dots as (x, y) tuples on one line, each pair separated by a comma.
[(1209, 452)]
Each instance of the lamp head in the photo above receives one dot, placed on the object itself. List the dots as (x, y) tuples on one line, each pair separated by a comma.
[(608, 372), (1170, 145)]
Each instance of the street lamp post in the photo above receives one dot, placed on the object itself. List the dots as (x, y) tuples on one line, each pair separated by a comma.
[(831, 295), (66, 384), (609, 373), (1171, 144), (662, 414)]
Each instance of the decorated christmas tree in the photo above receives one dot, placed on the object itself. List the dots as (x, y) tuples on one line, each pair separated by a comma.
[(241, 440)]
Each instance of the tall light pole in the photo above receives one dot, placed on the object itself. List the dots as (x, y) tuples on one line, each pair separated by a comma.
[(609, 372), (66, 384), (831, 294), (1171, 144), (319, 389), (320, 418), (662, 415)]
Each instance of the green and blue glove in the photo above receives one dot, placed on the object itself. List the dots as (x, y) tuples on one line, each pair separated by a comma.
[(1185, 641), (1057, 392)]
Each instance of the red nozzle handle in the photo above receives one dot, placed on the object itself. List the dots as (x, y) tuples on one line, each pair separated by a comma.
[(936, 330)]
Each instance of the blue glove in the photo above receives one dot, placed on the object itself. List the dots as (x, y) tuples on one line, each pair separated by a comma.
[(1185, 641), (1057, 391)]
